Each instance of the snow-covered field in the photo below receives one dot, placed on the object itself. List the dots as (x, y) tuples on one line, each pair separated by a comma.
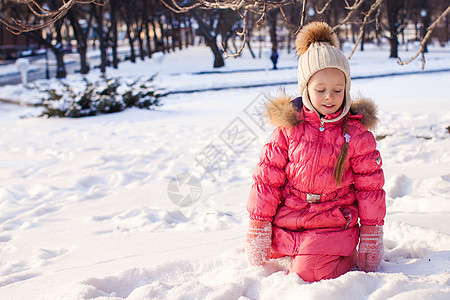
[(88, 206)]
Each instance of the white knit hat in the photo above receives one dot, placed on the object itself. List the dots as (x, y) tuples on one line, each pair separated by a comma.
[(318, 48)]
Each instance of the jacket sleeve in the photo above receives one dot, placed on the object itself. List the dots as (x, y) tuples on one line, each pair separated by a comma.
[(269, 176), (369, 179)]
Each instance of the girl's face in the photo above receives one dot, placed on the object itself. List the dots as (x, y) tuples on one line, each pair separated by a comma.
[(326, 90)]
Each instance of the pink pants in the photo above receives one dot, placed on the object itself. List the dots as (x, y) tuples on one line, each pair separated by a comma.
[(315, 267)]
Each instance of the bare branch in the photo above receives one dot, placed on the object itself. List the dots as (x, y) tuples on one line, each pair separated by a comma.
[(178, 9), (289, 24), (243, 34), (425, 40), (52, 15), (365, 21), (321, 11), (261, 7), (355, 5), (262, 18), (257, 6), (377, 18), (352, 9), (303, 14)]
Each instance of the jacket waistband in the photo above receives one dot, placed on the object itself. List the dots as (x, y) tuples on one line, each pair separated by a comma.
[(318, 198)]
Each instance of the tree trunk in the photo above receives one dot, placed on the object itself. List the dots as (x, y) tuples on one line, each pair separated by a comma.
[(60, 67), (171, 33), (131, 42), (84, 65), (272, 20), (102, 40), (249, 44), (115, 59), (394, 45), (155, 36), (178, 33), (210, 41), (59, 52), (291, 36), (393, 8), (191, 32), (233, 41), (186, 32), (164, 47), (81, 37), (129, 32), (363, 38), (447, 32), (426, 24), (146, 28), (353, 34), (140, 43), (138, 30), (218, 58), (176, 36), (169, 37)]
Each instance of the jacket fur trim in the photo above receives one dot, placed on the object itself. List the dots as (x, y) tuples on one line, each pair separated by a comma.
[(282, 111)]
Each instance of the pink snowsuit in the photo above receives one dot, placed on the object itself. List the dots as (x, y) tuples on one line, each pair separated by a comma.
[(314, 220)]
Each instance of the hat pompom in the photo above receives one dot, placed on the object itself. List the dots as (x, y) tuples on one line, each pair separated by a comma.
[(315, 32)]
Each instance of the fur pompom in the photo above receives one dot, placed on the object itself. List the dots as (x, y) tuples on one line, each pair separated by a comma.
[(281, 112), (315, 32), (368, 109)]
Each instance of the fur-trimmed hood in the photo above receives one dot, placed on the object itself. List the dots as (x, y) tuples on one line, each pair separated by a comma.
[(282, 111)]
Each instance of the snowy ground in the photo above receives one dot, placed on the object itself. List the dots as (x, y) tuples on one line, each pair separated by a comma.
[(85, 208)]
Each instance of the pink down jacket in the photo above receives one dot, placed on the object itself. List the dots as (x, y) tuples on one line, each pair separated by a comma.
[(299, 160)]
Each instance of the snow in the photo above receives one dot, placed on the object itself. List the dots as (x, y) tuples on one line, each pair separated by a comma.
[(85, 210)]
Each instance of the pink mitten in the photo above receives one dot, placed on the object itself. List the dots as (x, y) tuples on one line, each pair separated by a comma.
[(370, 247), (258, 243)]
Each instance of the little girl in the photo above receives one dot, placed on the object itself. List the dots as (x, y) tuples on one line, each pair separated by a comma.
[(320, 171)]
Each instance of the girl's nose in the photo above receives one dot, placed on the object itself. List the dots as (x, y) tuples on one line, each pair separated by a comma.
[(330, 96)]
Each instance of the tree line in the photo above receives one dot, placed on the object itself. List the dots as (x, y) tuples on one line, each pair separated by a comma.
[(227, 27), (148, 26)]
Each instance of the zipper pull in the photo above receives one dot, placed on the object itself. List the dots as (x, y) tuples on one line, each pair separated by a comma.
[(321, 128)]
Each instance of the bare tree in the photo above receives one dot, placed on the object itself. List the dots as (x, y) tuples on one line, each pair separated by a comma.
[(81, 31), (241, 7), (272, 17), (29, 16), (361, 13), (207, 24), (14, 11), (364, 15), (396, 16)]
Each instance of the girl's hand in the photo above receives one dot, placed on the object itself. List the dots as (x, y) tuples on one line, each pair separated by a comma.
[(258, 243), (370, 251)]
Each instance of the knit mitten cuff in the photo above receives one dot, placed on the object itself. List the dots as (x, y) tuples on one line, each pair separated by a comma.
[(370, 251), (259, 241)]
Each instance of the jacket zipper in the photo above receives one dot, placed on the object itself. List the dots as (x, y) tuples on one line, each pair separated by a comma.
[(319, 145)]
